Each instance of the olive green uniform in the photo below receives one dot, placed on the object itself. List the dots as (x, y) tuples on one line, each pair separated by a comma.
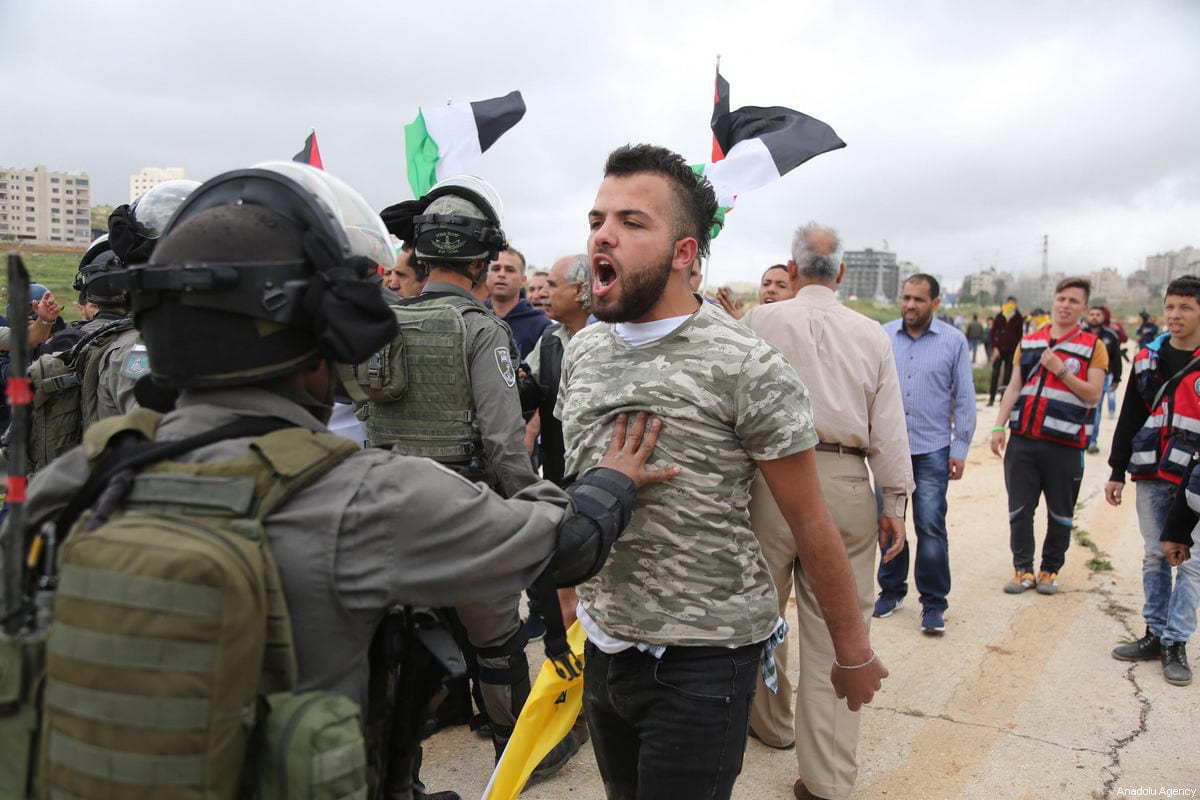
[(379, 530)]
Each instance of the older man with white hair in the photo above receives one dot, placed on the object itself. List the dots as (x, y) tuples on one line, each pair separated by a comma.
[(859, 416), (569, 304)]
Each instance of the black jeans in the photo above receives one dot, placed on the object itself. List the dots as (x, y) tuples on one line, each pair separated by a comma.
[(670, 728), (1034, 467), (1005, 362)]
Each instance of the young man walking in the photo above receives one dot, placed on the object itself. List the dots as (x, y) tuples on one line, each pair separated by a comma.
[(1048, 406), (938, 390), (1156, 439)]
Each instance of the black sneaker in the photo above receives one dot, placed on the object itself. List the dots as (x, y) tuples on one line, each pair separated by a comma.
[(1144, 649), (1175, 664)]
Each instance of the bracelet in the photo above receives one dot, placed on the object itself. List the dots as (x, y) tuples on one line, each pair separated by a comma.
[(996, 428), (48, 324), (855, 666)]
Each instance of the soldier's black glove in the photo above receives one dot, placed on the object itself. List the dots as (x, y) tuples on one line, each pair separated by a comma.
[(129, 245), (398, 218)]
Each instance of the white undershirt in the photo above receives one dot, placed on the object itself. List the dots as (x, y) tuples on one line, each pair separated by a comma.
[(640, 333)]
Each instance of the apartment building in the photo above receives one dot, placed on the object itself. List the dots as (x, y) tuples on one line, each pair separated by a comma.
[(150, 177), (41, 207)]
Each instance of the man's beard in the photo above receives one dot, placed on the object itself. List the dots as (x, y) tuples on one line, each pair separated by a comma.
[(639, 291), (921, 323)]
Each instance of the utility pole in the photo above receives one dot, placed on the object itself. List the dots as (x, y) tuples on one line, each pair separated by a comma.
[(880, 296), (1045, 255)]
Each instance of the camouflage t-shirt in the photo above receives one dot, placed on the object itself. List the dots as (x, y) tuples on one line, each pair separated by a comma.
[(688, 569)]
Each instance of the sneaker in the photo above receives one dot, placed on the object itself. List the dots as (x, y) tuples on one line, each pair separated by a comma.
[(1047, 582), (1093, 448), (1020, 582), (535, 626), (556, 759), (887, 604), (933, 621), (1144, 649), (1175, 665)]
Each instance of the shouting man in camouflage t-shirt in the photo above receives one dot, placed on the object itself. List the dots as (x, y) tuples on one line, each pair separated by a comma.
[(678, 618)]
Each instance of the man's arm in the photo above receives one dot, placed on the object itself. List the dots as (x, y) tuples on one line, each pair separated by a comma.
[(1007, 401), (963, 411), (888, 453), (497, 404), (793, 482)]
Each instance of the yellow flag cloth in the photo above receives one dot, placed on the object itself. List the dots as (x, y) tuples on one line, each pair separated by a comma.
[(551, 710)]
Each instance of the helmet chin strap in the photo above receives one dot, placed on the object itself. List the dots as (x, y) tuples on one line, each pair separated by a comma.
[(479, 277)]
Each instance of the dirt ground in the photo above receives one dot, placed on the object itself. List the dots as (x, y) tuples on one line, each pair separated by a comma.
[(1019, 699)]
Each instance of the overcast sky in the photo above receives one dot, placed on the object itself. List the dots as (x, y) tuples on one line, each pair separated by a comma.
[(972, 129)]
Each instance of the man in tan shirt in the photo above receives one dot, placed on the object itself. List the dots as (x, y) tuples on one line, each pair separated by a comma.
[(845, 360)]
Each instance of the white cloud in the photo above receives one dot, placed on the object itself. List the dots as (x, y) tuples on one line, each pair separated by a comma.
[(973, 129)]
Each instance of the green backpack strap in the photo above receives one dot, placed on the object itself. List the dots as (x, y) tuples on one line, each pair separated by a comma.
[(297, 457)]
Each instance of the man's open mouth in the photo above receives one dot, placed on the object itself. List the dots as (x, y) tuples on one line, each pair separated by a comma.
[(604, 276)]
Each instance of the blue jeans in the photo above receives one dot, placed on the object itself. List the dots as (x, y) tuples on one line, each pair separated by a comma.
[(1169, 612), (670, 727), (1098, 411), (931, 473)]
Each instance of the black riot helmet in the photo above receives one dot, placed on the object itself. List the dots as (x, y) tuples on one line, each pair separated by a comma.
[(261, 273), (101, 278), (460, 224), (134, 229)]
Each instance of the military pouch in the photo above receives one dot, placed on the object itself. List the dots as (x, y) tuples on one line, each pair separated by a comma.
[(382, 378), (311, 746), (22, 660)]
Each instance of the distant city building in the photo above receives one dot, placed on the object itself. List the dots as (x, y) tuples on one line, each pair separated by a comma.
[(869, 274), (150, 177), (1113, 287), (989, 286), (1166, 267), (38, 206)]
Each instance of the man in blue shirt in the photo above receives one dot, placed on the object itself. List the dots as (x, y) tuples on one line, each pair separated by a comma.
[(934, 365)]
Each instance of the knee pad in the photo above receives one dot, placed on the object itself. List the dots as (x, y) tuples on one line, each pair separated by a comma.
[(504, 679)]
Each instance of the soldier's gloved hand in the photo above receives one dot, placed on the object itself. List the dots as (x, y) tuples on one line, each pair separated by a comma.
[(631, 446)]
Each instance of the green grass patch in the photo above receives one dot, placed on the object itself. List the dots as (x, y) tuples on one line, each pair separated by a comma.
[(55, 269), (1099, 562)]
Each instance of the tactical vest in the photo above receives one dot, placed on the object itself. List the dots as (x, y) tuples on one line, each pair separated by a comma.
[(64, 393), (1047, 409), (418, 387), (1163, 447), (170, 667)]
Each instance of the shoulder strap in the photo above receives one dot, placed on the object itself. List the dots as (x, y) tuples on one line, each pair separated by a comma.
[(457, 301), (1173, 381), (129, 449), (88, 338)]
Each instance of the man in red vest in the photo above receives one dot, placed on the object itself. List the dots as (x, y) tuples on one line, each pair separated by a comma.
[(1048, 406)]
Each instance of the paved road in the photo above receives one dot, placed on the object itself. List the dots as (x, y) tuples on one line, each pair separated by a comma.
[(1019, 699)]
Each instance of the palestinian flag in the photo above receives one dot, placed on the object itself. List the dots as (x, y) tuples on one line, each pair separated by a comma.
[(448, 140), (311, 154), (720, 109), (762, 145)]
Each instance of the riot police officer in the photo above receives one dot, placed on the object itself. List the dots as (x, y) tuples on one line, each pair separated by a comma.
[(273, 265), (460, 407)]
